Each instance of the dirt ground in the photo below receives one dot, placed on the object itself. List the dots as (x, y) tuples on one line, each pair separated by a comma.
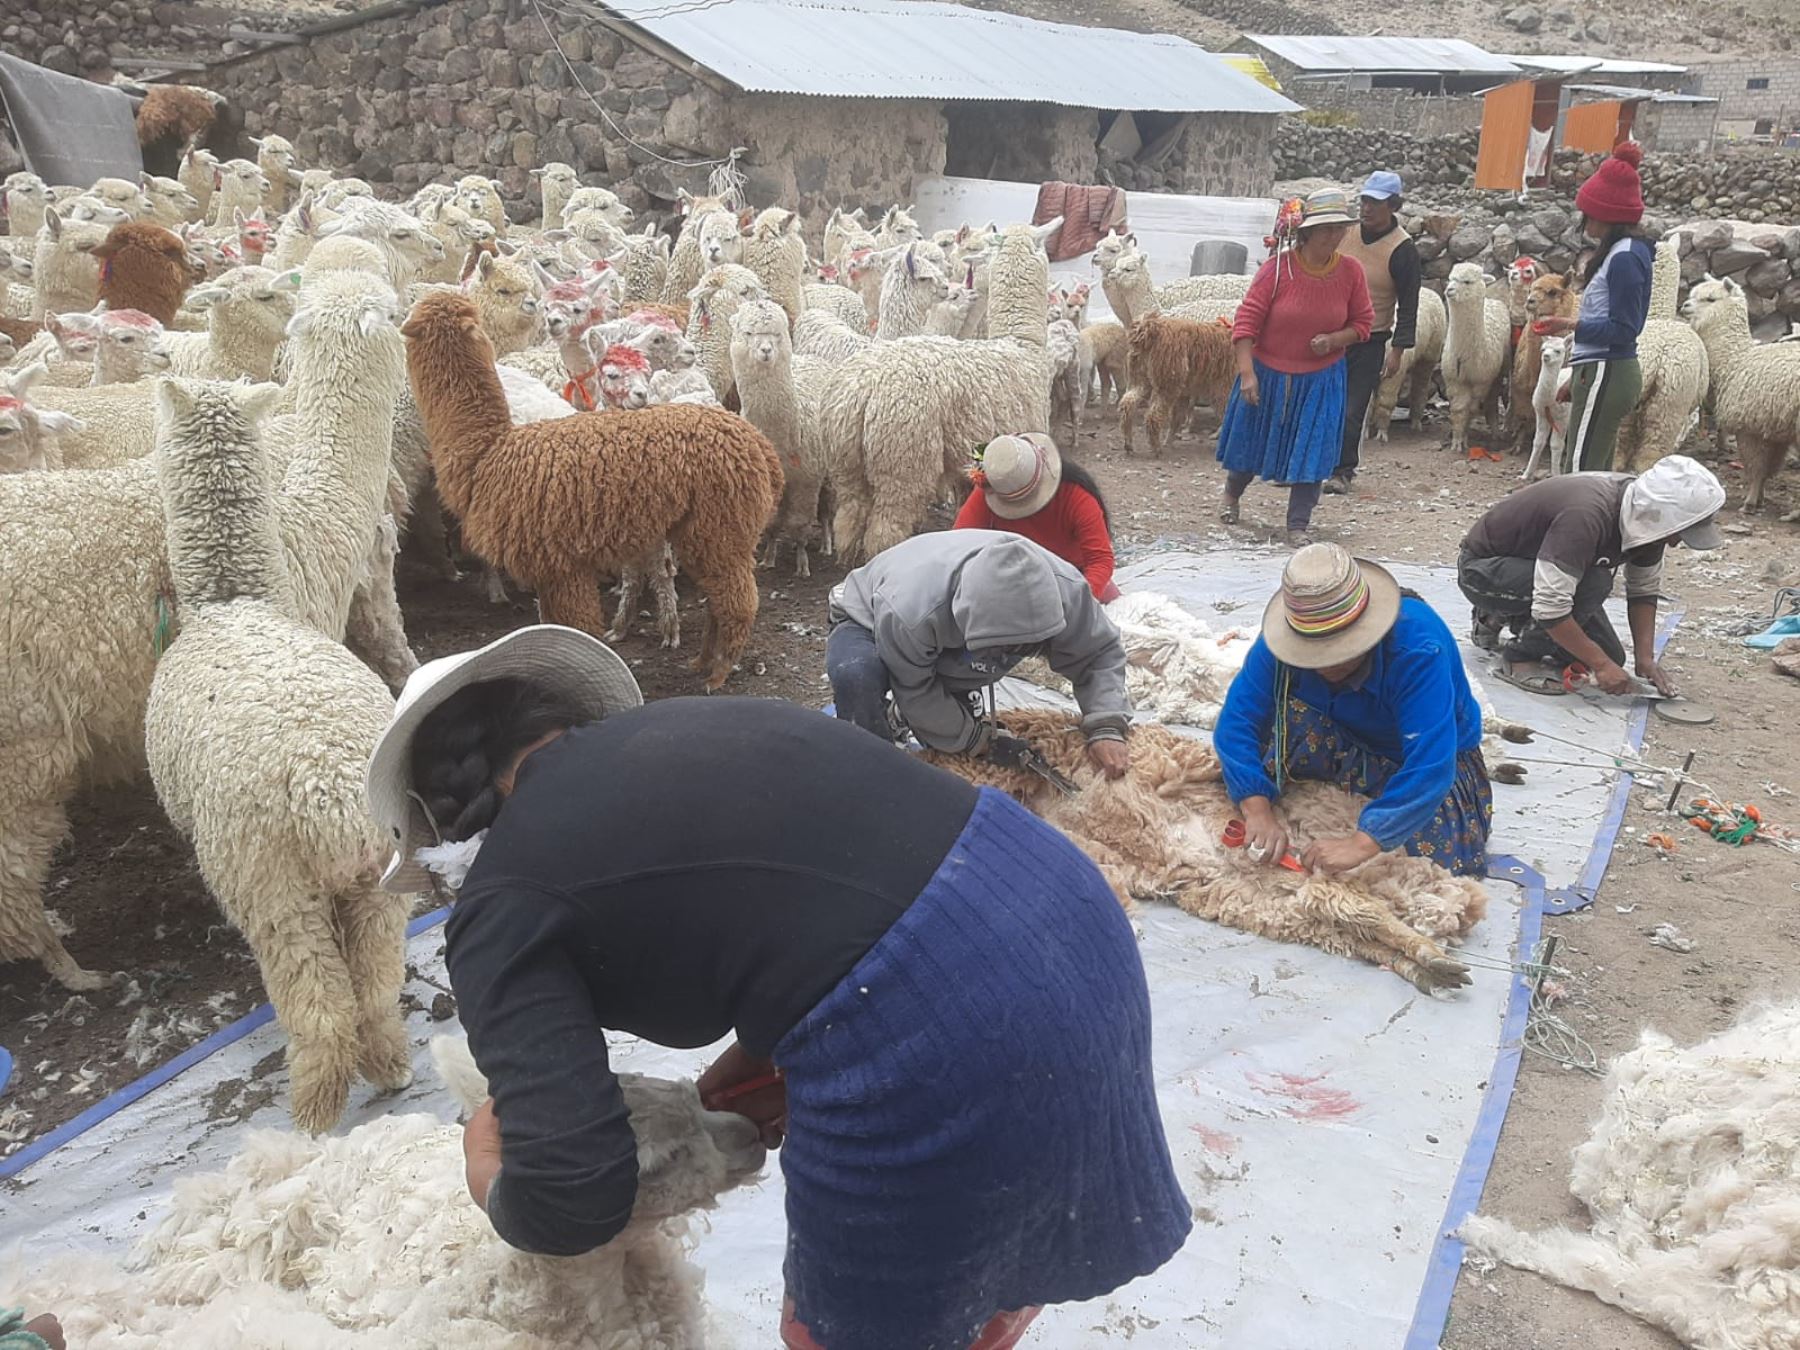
[(126, 887)]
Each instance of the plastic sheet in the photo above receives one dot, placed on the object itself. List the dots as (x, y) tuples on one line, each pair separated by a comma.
[(1322, 1113)]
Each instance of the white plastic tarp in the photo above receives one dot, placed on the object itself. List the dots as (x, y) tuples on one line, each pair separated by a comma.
[(1320, 1110), (1167, 225)]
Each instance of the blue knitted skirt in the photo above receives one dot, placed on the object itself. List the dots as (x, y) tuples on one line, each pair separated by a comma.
[(1293, 433), (972, 1118)]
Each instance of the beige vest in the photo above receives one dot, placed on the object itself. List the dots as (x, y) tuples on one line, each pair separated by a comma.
[(1374, 259)]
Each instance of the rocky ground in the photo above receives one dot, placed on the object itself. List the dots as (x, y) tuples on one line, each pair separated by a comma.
[(126, 884)]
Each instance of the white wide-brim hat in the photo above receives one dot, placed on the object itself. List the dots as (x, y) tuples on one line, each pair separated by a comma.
[(1022, 474), (579, 667)]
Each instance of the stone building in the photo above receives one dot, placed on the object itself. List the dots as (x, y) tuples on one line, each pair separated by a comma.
[(1758, 95), (849, 103)]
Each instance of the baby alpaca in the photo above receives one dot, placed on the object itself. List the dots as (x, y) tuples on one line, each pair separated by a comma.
[(557, 503), (1552, 424), (257, 730), (1157, 833)]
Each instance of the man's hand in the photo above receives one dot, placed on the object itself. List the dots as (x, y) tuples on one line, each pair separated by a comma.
[(1264, 837), (481, 1152), (1612, 678), (49, 1330), (1110, 757), (765, 1107), (1390, 365), (1331, 856), (1650, 670)]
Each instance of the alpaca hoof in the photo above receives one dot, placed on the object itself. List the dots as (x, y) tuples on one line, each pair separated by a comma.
[(1440, 973), (319, 1099), (74, 978), (716, 681), (386, 1058), (671, 642)]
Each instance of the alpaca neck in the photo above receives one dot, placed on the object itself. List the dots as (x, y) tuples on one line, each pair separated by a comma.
[(901, 313), (1727, 340), (766, 399), (463, 407), (218, 500), (248, 346), (25, 219)]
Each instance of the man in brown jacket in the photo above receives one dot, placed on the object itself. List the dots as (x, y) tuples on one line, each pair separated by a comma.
[(1390, 261)]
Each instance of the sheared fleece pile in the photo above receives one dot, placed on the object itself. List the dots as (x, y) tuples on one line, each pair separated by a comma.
[(1692, 1183), (369, 1241)]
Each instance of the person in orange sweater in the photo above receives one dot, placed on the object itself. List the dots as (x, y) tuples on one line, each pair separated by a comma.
[(1023, 485)]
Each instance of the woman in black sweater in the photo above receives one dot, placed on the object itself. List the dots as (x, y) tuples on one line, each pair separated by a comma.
[(949, 993)]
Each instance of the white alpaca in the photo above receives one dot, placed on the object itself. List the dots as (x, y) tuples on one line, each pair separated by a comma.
[(1477, 337), (1755, 387), (30, 437), (776, 252), (555, 182), (1417, 372), (86, 574), (1675, 369), (371, 1242), (1552, 422), (711, 305), (911, 286), (783, 397), (238, 185), (256, 731)]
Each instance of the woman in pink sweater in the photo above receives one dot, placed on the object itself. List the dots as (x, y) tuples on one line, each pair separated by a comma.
[(1285, 420)]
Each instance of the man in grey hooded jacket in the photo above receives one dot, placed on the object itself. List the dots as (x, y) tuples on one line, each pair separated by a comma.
[(942, 616)]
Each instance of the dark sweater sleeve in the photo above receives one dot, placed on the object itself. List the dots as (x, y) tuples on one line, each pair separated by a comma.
[(1403, 267), (568, 1158), (1618, 310)]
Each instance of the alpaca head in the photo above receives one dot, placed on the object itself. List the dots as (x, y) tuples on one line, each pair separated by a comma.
[(163, 252), (666, 347), (77, 334), (254, 303), (126, 196), (624, 378), (898, 226), (275, 156), (719, 294), (1467, 283), (1111, 248), (1554, 294), (170, 203), (83, 210), (246, 181), (22, 190), (1555, 351), (721, 234), (571, 306), (25, 430), (759, 335), (557, 175), (1715, 302), (1523, 271), (350, 318), (604, 201), (1129, 269), (132, 345), (15, 264), (480, 196), (334, 192), (253, 234), (507, 294)]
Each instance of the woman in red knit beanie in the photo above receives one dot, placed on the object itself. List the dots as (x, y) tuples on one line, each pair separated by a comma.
[(1615, 303)]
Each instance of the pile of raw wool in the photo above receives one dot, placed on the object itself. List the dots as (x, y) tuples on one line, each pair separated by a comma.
[(1692, 1181), (369, 1241)]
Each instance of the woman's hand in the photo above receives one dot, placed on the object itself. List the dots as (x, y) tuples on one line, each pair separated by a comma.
[(1110, 757), (1247, 389), (481, 1152), (765, 1107), (1323, 343), (1339, 855), (1265, 839), (49, 1330)]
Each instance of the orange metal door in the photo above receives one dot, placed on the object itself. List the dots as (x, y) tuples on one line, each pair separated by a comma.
[(1505, 126), (1593, 127)]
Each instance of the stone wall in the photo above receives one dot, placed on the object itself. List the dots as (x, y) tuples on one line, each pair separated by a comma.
[(1351, 153), (82, 36), (477, 86), (1391, 109), (1225, 155)]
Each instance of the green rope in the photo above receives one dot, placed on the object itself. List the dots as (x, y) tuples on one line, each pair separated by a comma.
[(1284, 679)]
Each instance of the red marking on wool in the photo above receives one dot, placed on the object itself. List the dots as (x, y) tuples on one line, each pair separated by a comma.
[(127, 318), (655, 320), (1311, 1100), (626, 358), (1215, 1141), (10, 404)]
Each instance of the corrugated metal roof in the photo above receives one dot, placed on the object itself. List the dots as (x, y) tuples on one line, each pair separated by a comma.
[(919, 49), (1592, 65), (1630, 95), (1383, 55)]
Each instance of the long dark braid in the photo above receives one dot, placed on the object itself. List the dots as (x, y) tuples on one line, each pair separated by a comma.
[(462, 747), (1081, 478)]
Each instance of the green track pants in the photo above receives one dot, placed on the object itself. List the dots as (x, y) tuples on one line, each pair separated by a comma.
[(1601, 395)]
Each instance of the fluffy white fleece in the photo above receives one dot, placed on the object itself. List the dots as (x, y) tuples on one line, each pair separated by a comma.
[(1691, 1179), (369, 1241)]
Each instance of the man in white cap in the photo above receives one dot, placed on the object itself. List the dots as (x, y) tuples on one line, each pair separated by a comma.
[(942, 617), (1541, 562), (1390, 261)]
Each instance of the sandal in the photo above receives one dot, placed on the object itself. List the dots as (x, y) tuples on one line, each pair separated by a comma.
[(1228, 510), (1539, 682)]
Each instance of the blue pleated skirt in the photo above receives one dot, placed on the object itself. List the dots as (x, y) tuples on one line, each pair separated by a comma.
[(1294, 432), (972, 1117)]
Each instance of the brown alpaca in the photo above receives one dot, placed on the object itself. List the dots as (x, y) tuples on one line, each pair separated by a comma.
[(1107, 341), (146, 268), (1173, 364), (177, 112), (1156, 833), (1552, 296), (556, 504)]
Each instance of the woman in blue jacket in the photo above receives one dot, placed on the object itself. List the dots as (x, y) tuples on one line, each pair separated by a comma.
[(1606, 382), (1357, 683)]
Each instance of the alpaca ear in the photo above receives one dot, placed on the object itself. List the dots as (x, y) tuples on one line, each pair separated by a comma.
[(484, 265), (257, 401), (205, 297), (237, 217), (298, 326), (20, 381), (56, 422), (256, 141), (289, 280), (912, 264), (53, 224), (174, 399)]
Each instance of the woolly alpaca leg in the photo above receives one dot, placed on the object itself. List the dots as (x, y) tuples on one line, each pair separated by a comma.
[(661, 568), (1156, 422), (30, 830), (730, 587), (572, 600), (428, 538), (1368, 929), (1461, 407), (901, 502), (373, 924), (850, 522), (1760, 459), (292, 934), (376, 631), (1128, 406), (1417, 395), (1490, 409), (631, 589)]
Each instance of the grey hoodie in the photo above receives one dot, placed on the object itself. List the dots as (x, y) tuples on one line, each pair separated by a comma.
[(954, 611)]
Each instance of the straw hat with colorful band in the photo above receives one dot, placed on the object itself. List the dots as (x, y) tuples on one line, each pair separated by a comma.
[(1327, 206), (577, 666), (1018, 474), (1331, 608)]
